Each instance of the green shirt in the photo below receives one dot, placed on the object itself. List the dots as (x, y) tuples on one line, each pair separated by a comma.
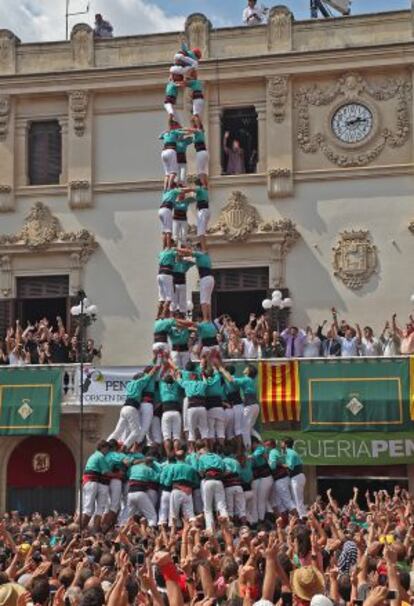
[(115, 460), (171, 137), (201, 194), (275, 458), (166, 477), (183, 143), (232, 466), (185, 474), (181, 266), (182, 205), (216, 386), (199, 136), (194, 388), (170, 392), (195, 85), (171, 89), (164, 325), (167, 257), (179, 336), (135, 387), (202, 259), (206, 330), (292, 458), (246, 384), (259, 457), (143, 473), (97, 463), (170, 196), (210, 460), (246, 472)]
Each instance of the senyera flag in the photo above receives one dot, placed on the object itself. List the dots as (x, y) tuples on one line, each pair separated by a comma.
[(279, 391)]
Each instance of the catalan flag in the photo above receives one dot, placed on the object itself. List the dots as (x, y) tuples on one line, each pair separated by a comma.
[(279, 391)]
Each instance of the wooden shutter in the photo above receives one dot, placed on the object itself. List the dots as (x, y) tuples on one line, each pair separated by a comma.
[(250, 278), (45, 153), (6, 315), (42, 287)]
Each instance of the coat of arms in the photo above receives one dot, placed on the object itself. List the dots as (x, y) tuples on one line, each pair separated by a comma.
[(41, 462), (238, 218), (355, 258)]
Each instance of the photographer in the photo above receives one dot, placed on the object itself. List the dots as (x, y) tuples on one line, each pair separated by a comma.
[(253, 15)]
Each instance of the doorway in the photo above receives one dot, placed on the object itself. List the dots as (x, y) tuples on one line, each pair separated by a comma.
[(42, 297), (35, 478)]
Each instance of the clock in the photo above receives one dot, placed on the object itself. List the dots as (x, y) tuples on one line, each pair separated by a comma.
[(352, 123)]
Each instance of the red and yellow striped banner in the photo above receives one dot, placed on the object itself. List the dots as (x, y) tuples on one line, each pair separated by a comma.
[(279, 391)]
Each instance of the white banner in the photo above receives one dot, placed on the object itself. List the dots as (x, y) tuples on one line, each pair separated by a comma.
[(107, 385)]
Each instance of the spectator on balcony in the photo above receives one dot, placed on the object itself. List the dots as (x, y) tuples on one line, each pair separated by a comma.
[(235, 156), (272, 346), (407, 337), (294, 342), (312, 344), (4, 358), (370, 345), (92, 354), (331, 345), (234, 346), (390, 340), (349, 337)]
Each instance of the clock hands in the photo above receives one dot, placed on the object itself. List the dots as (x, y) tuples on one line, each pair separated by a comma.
[(355, 121)]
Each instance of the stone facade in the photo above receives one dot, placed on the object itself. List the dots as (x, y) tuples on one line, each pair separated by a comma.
[(312, 187)]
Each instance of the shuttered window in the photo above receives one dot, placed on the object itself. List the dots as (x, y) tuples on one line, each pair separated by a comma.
[(42, 287), (251, 278), (45, 152), (6, 315)]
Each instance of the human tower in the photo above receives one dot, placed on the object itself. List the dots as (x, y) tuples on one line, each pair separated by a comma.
[(184, 432)]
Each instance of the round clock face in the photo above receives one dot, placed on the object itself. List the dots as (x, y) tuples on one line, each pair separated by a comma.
[(352, 123)]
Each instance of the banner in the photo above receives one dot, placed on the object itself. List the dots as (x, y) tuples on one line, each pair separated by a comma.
[(366, 395), (412, 388), (106, 386), (351, 448), (279, 391), (30, 401)]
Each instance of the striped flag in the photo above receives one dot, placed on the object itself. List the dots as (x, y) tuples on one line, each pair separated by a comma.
[(279, 391)]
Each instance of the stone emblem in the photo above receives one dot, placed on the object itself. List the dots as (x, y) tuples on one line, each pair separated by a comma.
[(355, 258), (41, 462)]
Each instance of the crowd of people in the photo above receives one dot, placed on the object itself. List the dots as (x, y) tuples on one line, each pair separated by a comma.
[(44, 343), (340, 555)]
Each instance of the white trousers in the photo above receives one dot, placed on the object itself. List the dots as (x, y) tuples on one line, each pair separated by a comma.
[(214, 498), (235, 501), (171, 425), (139, 503), (170, 108), (250, 414), (180, 231), (188, 61), (282, 496), (169, 161), (95, 498), (128, 427), (206, 289), (263, 490), (203, 218), (164, 511), (297, 484), (180, 359), (251, 506), (115, 494), (180, 298), (197, 421), (153, 495), (123, 514), (165, 216), (216, 422), (238, 412), (155, 436), (146, 412), (182, 172), (198, 107), (198, 500), (165, 287), (229, 423), (181, 504), (202, 162)]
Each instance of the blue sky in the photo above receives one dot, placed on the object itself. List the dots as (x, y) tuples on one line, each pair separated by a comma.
[(44, 20)]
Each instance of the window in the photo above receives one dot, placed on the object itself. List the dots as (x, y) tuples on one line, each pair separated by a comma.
[(45, 153), (240, 141), (42, 296)]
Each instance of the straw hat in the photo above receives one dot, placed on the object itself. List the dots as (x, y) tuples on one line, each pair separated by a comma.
[(307, 582), (9, 593)]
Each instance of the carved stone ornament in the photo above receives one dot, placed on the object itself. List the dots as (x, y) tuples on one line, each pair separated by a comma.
[(411, 227), (8, 43), (6, 199), (240, 220), (82, 41), (197, 33), (278, 89), (279, 183), (4, 115), (42, 230), (355, 258), (354, 87), (279, 29), (80, 194), (78, 104)]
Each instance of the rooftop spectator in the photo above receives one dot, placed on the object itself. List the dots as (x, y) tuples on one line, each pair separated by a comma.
[(102, 29)]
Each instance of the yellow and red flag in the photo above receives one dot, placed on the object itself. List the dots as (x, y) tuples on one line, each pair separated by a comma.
[(279, 391)]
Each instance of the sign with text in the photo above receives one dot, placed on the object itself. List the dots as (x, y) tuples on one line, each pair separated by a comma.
[(106, 386)]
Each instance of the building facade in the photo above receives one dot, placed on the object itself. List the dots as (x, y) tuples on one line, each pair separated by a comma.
[(323, 110)]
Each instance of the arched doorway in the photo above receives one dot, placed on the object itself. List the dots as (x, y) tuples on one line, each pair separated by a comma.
[(41, 476)]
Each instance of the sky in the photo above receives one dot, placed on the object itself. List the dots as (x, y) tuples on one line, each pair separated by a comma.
[(44, 20)]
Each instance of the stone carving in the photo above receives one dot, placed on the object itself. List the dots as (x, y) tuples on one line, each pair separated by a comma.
[(8, 42), (355, 258), (197, 32), (6, 199), (278, 90), (279, 182), (80, 195), (4, 115), (82, 41), (238, 220), (411, 227), (78, 104), (353, 86), (279, 29), (41, 230)]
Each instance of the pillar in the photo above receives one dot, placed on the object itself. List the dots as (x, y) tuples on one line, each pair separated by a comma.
[(215, 142), (7, 153), (262, 136), (80, 149)]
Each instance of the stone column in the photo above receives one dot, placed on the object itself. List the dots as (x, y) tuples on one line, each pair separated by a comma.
[(262, 137), (215, 142), (197, 32), (83, 47), (8, 44), (7, 153), (79, 156), (279, 136)]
